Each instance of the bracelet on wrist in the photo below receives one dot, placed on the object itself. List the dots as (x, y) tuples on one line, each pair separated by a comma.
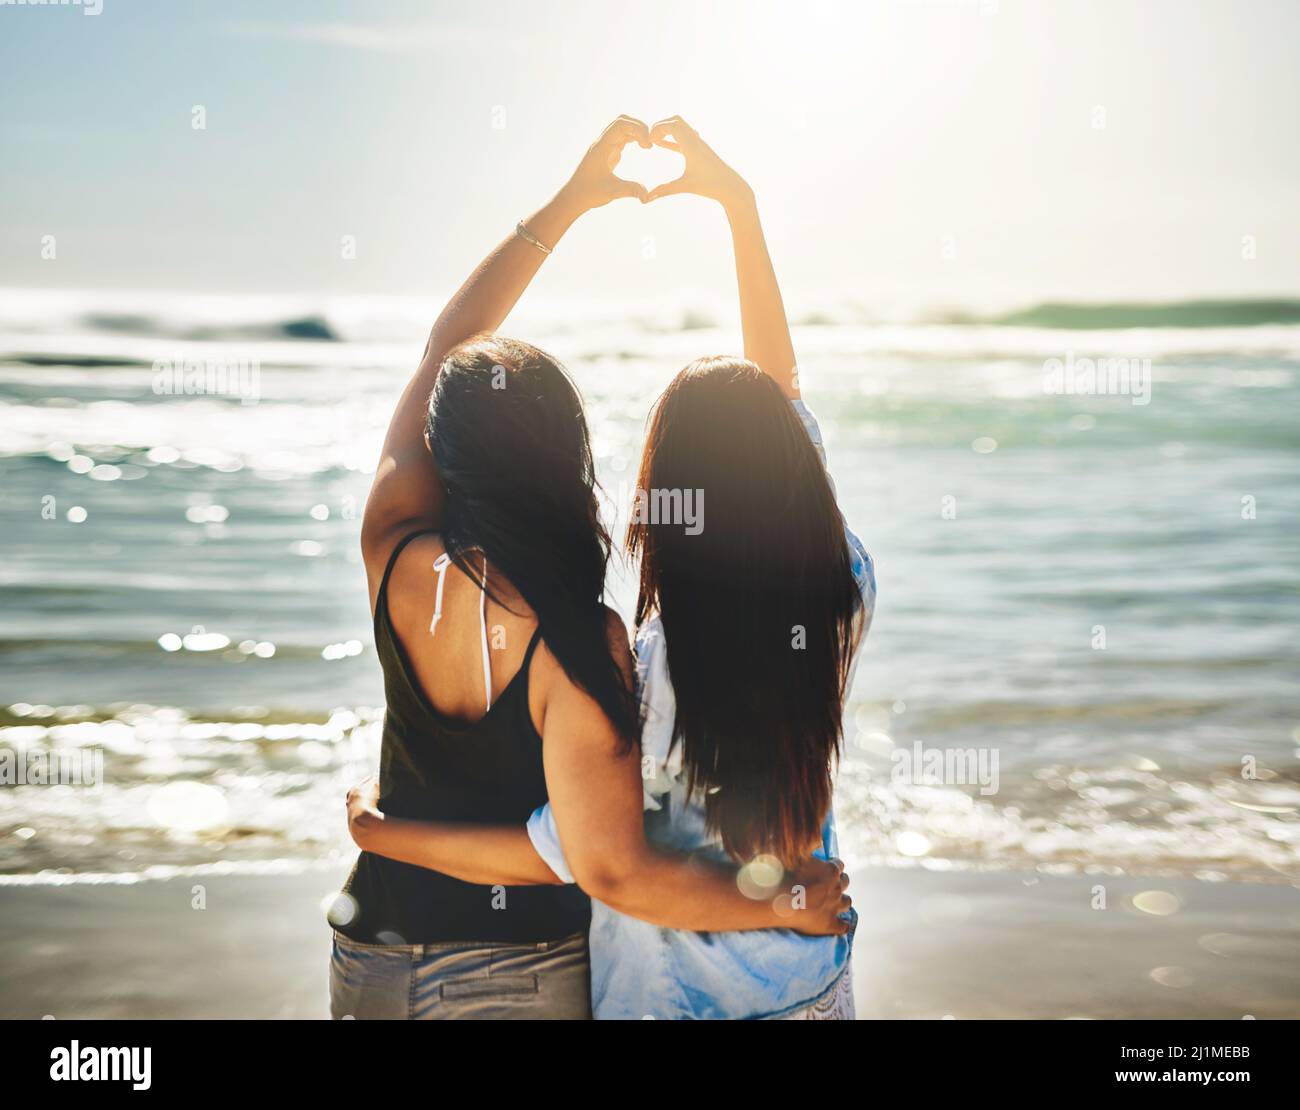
[(529, 237)]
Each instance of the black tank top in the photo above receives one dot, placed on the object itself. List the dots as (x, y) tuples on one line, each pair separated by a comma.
[(436, 769)]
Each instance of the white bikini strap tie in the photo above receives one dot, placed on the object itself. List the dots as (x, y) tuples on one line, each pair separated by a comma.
[(439, 568), (440, 565)]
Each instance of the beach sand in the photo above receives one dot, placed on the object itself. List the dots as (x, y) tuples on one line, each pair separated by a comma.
[(931, 944), (1017, 945)]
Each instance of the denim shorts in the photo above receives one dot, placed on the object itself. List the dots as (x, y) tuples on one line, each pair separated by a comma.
[(546, 981)]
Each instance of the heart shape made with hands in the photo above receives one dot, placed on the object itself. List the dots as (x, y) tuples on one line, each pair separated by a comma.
[(655, 166)]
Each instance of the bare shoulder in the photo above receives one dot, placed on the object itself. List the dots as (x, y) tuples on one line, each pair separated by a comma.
[(414, 563), (552, 686), (414, 567)]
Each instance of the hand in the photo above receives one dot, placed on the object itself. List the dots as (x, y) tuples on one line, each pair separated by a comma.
[(824, 901), (706, 175), (363, 809), (593, 183)]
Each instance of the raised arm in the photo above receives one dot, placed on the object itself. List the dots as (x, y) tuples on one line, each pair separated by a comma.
[(596, 796), (406, 493), (762, 312)]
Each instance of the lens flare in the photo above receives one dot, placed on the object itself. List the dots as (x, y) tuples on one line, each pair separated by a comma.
[(340, 909), (1159, 903), (760, 877)]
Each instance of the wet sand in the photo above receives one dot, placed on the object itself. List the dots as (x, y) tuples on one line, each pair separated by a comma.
[(931, 944), (1013, 945)]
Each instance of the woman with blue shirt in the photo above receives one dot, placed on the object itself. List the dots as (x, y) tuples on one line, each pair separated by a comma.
[(747, 633)]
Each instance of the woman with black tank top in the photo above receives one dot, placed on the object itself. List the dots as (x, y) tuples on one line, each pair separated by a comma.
[(508, 681)]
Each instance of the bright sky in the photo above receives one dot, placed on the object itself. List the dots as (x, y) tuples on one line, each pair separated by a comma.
[(937, 151)]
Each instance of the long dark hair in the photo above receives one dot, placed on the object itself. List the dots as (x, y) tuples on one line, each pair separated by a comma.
[(758, 606), (506, 428)]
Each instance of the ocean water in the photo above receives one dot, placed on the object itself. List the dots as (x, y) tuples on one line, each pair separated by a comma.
[(1096, 594)]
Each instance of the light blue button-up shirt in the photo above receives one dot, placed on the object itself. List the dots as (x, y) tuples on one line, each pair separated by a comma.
[(640, 970)]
